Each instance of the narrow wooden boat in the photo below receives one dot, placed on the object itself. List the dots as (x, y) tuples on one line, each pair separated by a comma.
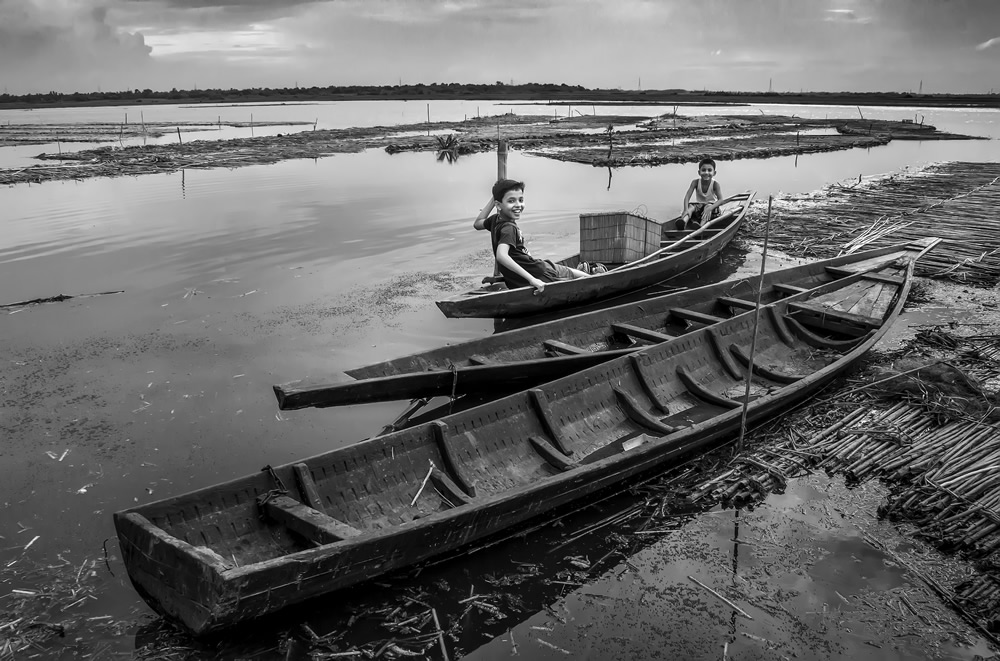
[(679, 251), (522, 358), (239, 550)]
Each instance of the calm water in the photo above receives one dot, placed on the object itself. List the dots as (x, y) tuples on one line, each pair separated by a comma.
[(236, 280)]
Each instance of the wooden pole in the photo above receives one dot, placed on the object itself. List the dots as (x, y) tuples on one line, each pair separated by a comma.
[(179, 141), (502, 147), (756, 319), (501, 174)]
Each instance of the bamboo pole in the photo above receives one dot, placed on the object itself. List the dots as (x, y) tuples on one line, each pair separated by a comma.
[(756, 320)]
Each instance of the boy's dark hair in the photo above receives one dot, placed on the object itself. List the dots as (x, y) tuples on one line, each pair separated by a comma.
[(707, 161), (501, 187)]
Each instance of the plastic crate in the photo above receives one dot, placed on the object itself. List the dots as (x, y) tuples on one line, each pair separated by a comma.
[(617, 237)]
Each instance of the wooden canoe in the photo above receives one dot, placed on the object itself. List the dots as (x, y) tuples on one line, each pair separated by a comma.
[(679, 252), (523, 358), (239, 550)]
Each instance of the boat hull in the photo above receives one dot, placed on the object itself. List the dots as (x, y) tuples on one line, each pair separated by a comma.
[(240, 550)]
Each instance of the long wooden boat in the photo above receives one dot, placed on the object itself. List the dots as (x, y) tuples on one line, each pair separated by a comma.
[(523, 358), (679, 251), (245, 548)]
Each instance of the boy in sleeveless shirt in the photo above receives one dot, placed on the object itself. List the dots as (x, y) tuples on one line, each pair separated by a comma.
[(518, 267), (706, 193)]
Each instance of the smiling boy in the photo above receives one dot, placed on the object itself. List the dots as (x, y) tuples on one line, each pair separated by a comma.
[(707, 196), (518, 267)]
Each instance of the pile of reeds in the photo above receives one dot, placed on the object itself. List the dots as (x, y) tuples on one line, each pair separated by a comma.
[(955, 201), (926, 425)]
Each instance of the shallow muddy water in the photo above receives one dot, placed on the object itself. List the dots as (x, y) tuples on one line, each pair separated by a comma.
[(237, 280)]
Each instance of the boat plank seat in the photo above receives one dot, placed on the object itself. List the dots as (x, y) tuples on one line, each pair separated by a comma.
[(476, 359), (306, 521), (552, 456), (840, 272), (782, 288), (563, 348), (826, 318), (736, 303), (697, 317), (641, 333)]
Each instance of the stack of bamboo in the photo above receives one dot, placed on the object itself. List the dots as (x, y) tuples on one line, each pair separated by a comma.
[(955, 201)]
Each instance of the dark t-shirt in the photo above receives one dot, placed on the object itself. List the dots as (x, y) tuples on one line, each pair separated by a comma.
[(507, 231)]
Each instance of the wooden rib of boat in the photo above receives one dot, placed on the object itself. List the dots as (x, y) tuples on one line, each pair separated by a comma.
[(525, 357), (245, 548), (679, 251)]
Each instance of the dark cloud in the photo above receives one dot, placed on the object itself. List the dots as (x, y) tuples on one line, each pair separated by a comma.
[(47, 46)]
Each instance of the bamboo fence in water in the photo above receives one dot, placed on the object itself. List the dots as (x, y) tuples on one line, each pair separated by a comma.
[(957, 201)]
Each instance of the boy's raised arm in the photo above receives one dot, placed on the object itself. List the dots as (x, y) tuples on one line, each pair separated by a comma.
[(480, 222)]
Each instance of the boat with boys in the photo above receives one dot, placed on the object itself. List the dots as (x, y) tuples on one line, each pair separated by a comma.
[(678, 251)]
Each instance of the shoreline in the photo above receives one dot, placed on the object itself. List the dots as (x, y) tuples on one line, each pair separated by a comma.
[(542, 97)]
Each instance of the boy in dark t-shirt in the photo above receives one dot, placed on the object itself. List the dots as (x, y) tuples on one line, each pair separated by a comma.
[(518, 267)]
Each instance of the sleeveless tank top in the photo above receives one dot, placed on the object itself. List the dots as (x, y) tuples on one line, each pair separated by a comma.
[(704, 197)]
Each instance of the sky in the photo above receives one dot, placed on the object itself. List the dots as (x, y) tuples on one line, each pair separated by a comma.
[(934, 46)]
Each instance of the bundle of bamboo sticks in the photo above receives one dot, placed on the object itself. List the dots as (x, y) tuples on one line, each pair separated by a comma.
[(905, 207)]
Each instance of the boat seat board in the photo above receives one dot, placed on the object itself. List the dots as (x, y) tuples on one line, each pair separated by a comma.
[(476, 359), (563, 348), (641, 333), (736, 303), (820, 316), (787, 289), (307, 522), (692, 315), (840, 271)]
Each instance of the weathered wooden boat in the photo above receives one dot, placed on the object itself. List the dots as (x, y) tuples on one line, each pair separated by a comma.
[(679, 251), (522, 358), (239, 550)]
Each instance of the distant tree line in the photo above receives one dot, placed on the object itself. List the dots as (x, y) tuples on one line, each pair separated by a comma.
[(498, 90), (434, 90)]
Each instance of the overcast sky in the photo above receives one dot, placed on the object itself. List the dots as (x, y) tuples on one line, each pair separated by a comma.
[(823, 45)]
